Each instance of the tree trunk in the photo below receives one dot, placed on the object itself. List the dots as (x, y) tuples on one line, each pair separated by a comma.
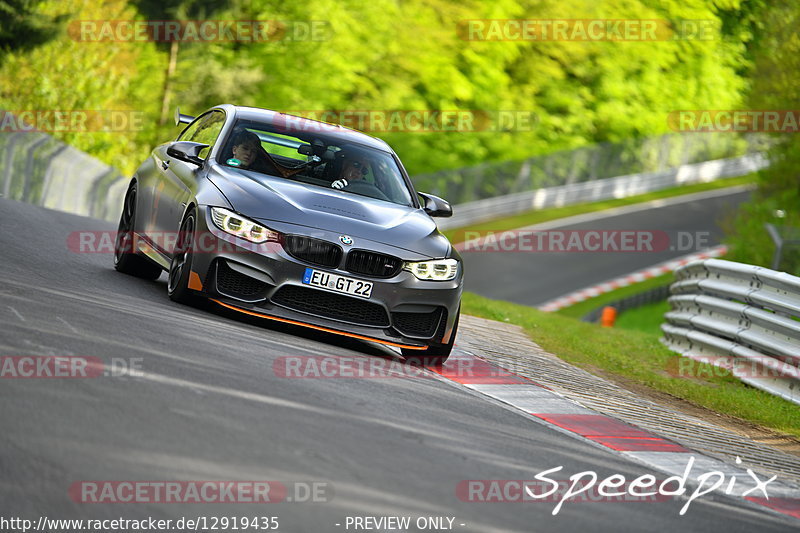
[(173, 63)]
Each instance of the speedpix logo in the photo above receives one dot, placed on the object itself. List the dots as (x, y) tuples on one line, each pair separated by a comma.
[(588, 486)]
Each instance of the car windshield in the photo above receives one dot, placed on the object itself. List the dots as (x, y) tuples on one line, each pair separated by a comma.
[(316, 159)]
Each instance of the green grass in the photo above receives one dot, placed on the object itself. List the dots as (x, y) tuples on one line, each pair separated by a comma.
[(579, 309), (538, 216), (647, 318), (638, 356)]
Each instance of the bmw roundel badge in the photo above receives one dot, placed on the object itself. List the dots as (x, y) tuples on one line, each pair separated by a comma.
[(346, 240)]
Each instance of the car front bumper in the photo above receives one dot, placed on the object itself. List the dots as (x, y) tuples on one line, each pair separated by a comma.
[(264, 280)]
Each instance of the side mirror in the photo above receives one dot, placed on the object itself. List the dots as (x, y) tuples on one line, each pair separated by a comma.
[(187, 151), (435, 206)]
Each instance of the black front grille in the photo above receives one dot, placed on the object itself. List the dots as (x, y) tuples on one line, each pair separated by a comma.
[(330, 305), (419, 324), (442, 325), (314, 251), (237, 285), (373, 264)]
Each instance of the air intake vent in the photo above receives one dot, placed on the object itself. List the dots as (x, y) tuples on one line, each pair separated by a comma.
[(422, 325), (237, 285), (330, 305), (314, 251), (373, 264)]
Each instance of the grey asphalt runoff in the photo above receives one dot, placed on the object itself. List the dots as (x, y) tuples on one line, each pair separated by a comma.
[(209, 406), (533, 278)]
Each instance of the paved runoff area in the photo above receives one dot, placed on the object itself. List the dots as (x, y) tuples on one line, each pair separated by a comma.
[(516, 371)]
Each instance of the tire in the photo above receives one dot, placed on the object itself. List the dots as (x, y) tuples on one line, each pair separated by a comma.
[(180, 267), (436, 354), (126, 259)]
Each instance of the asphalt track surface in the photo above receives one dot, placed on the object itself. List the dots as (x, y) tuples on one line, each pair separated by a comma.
[(209, 406), (533, 278)]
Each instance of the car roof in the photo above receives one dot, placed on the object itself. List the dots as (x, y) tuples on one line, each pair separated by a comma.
[(333, 131)]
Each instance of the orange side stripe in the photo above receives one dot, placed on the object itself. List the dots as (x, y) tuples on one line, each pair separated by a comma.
[(320, 328), (194, 281)]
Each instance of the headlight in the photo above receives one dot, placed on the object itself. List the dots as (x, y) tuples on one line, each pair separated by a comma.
[(237, 225), (436, 270)]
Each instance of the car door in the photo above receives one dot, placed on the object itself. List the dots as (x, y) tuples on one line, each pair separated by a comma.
[(153, 183), (178, 180)]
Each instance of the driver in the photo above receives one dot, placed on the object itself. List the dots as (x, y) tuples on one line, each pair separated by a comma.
[(355, 168), (246, 145)]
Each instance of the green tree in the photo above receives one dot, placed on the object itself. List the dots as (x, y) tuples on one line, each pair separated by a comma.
[(396, 55), (775, 86), (23, 27), (68, 74)]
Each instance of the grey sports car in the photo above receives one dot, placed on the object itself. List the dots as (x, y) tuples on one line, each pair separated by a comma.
[(298, 221)]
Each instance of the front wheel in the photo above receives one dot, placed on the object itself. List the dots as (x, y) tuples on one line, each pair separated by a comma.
[(436, 354), (180, 267)]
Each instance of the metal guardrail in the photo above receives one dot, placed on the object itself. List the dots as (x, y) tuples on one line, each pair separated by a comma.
[(634, 301), (38, 169), (741, 318), (782, 237), (602, 189), (587, 163)]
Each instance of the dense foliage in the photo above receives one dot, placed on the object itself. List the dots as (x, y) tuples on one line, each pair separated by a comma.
[(387, 55), (776, 86)]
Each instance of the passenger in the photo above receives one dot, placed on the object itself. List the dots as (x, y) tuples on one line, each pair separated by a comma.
[(354, 169)]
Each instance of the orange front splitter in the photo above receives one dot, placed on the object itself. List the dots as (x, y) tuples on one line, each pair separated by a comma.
[(319, 328)]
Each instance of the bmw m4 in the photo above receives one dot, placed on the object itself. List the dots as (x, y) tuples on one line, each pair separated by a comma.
[(297, 221)]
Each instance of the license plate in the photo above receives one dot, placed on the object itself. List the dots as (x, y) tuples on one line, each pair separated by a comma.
[(337, 283)]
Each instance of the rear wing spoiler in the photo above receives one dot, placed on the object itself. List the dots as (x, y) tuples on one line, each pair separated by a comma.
[(180, 118)]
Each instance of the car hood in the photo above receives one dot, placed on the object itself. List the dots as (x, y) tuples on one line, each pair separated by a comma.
[(270, 199)]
